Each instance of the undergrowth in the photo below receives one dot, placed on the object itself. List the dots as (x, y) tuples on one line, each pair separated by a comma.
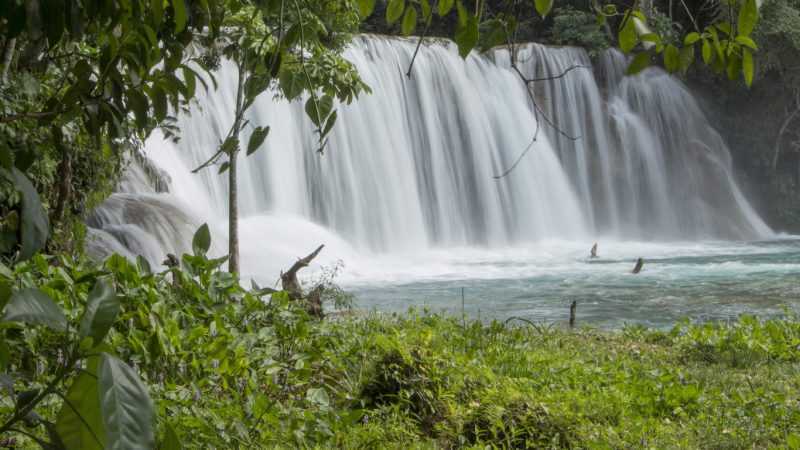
[(232, 368)]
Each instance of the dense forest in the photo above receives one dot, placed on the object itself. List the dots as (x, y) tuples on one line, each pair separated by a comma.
[(120, 354)]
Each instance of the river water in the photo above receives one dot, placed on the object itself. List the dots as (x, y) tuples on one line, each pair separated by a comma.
[(692, 280)]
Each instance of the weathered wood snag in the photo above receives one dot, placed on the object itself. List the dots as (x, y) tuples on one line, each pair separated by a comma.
[(594, 250), (572, 309), (292, 285), (639, 266)]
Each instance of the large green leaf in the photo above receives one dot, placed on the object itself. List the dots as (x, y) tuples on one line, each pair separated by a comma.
[(159, 100), (202, 240), (126, 407), (691, 38), (395, 10), (426, 9), (467, 36), (748, 16), (640, 62), (34, 307), (747, 42), (35, 226), (627, 35), (409, 20), (292, 83), (445, 6), (180, 15), (138, 103), (319, 109), (734, 67), (672, 58), (543, 7), (256, 139), (463, 13), (80, 423), (157, 8), (707, 51), (101, 311), (365, 8)]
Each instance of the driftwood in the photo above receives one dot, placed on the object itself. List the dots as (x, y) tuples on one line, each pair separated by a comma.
[(639, 266), (594, 251), (292, 285), (572, 308)]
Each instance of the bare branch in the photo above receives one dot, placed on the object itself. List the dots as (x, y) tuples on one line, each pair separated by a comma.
[(783, 129), (561, 75), (416, 50), (29, 115), (517, 161), (691, 17)]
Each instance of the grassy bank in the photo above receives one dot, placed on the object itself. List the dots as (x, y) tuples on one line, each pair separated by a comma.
[(228, 367), (428, 378)]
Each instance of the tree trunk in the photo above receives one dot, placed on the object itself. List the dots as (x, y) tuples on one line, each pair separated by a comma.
[(233, 217), (233, 188), (63, 187), (8, 56)]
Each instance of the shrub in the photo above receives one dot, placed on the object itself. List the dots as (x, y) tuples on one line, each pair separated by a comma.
[(579, 28)]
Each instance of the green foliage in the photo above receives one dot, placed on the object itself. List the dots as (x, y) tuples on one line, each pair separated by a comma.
[(230, 368), (574, 27), (778, 32), (87, 82), (85, 91), (726, 44)]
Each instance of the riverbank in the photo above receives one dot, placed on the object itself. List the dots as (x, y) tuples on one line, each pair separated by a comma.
[(222, 367), (436, 382)]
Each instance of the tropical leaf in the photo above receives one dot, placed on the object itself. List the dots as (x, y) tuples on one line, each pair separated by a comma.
[(126, 407), (102, 309), (34, 307)]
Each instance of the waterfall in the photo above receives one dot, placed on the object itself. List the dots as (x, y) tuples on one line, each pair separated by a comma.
[(411, 166)]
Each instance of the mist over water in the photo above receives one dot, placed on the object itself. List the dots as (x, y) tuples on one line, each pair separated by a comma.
[(405, 194)]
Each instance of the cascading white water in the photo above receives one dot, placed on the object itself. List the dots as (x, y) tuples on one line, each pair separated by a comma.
[(645, 161), (410, 167)]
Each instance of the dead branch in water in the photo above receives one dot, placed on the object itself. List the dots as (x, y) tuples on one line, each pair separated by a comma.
[(292, 285)]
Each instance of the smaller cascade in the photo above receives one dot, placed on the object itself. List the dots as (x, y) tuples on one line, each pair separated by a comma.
[(139, 219)]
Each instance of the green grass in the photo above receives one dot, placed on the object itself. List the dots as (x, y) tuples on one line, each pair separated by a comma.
[(426, 381)]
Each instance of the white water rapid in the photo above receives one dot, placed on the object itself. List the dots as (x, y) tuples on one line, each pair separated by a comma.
[(409, 169)]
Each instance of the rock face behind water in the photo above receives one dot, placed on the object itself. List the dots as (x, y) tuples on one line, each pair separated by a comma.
[(750, 121), (411, 166)]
